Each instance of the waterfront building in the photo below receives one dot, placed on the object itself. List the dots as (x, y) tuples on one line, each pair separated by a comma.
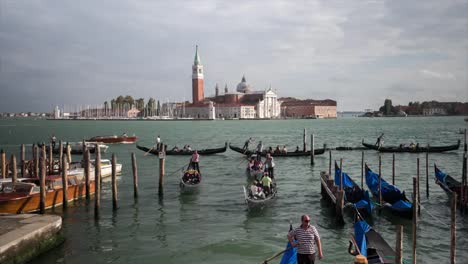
[(295, 108)]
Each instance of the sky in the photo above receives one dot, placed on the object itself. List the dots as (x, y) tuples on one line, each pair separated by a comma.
[(359, 53)]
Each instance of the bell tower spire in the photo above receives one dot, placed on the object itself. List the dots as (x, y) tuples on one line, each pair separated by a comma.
[(197, 78)]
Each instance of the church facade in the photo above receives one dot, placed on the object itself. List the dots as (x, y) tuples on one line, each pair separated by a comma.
[(244, 103)]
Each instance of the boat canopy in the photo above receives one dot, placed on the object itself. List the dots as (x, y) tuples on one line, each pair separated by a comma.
[(360, 230)]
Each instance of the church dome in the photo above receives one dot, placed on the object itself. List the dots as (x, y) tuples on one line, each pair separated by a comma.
[(243, 86)]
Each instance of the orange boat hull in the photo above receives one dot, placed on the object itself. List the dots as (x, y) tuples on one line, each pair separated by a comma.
[(14, 204)]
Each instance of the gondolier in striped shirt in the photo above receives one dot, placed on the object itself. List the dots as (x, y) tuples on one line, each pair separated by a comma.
[(307, 237)]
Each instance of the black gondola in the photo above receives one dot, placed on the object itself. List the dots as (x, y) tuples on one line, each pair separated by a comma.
[(276, 154), (449, 184), (154, 151), (414, 149), (370, 244), (392, 197), (354, 195)]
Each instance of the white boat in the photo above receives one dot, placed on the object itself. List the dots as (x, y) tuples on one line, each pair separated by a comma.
[(77, 169)]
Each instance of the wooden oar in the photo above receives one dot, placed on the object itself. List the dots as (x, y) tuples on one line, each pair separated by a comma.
[(276, 255), (148, 151)]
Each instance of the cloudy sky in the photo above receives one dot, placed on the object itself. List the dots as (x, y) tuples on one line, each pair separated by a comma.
[(355, 52)]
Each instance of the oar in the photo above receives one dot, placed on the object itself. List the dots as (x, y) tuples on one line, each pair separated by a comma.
[(181, 168), (148, 151), (276, 255)]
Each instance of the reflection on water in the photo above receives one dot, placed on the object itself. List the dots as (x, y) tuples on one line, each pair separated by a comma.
[(214, 225)]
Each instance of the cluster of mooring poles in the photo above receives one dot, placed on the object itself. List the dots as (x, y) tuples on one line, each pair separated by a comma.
[(337, 196)]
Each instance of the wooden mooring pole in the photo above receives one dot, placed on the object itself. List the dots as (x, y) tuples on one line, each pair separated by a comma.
[(60, 155), (415, 216), (341, 175), (97, 181), (362, 170), (304, 141), (162, 157), (114, 182), (4, 171), (135, 176), (453, 226), (65, 182), (393, 169), (427, 174), (417, 190), (51, 159), (36, 160), (329, 163), (14, 172), (42, 186), (399, 245), (380, 181), (312, 150), (69, 157), (87, 168), (23, 160)]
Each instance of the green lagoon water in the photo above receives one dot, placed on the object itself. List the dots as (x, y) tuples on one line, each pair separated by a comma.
[(213, 226)]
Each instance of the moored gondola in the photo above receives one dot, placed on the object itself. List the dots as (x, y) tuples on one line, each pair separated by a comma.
[(190, 180), (354, 195), (412, 149), (449, 184), (370, 244), (212, 151), (392, 197), (278, 154)]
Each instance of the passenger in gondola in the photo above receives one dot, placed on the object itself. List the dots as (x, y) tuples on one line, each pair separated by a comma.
[(412, 145), (53, 140), (175, 149), (184, 148), (266, 183), (124, 135), (189, 148), (195, 178), (277, 149), (270, 150), (284, 150), (186, 177), (251, 163), (297, 149)]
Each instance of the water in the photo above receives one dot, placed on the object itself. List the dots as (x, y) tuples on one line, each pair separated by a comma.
[(213, 225)]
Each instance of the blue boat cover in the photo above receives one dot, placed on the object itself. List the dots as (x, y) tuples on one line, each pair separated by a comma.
[(347, 182), (401, 205), (360, 230), (365, 203), (372, 181), (290, 255), (440, 176)]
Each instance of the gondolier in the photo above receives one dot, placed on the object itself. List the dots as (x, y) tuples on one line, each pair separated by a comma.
[(307, 237), (247, 143), (194, 161), (53, 140), (259, 150), (379, 141), (158, 143), (270, 165)]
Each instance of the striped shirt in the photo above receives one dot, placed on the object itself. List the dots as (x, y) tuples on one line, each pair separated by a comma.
[(306, 239)]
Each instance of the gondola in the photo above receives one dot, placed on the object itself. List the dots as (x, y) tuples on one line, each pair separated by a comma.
[(392, 197), (190, 180), (415, 149), (370, 244), (354, 195), (154, 151), (254, 203), (449, 184), (275, 154)]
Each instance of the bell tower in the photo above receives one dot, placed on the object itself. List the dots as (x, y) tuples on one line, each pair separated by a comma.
[(197, 79)]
